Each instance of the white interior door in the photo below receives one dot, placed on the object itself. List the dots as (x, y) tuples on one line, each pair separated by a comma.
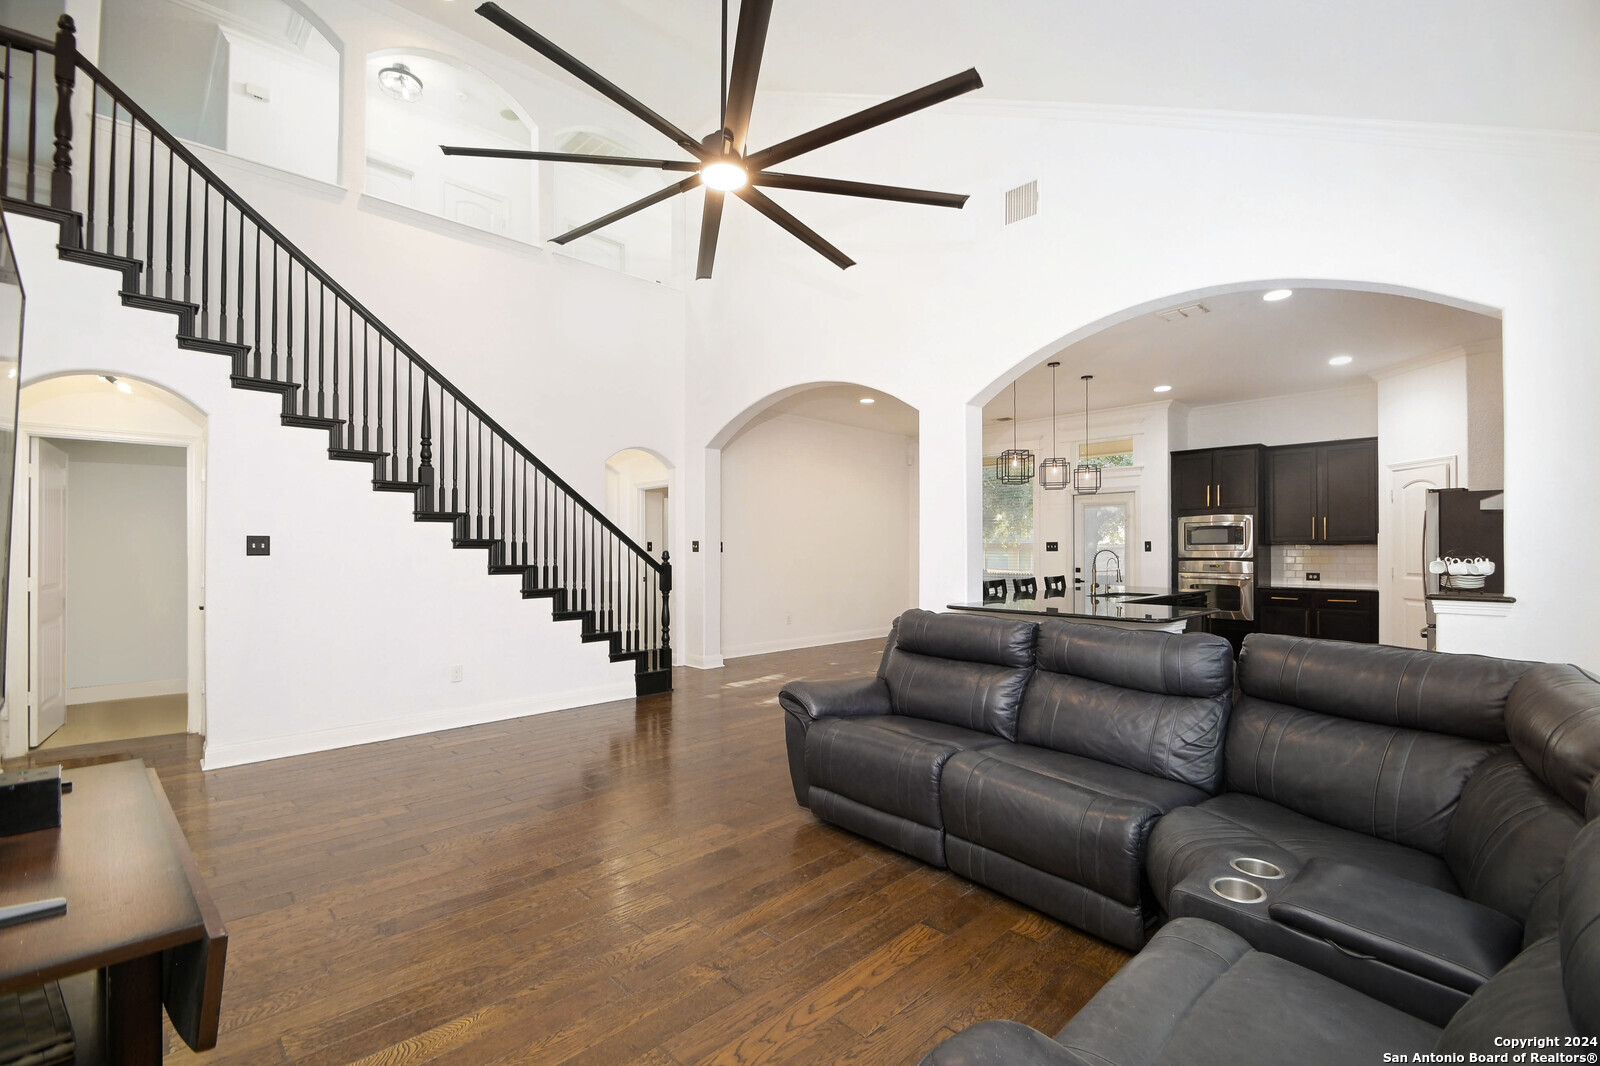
[(48, 705), (1103, 522), (1403, 595), (655, 521)]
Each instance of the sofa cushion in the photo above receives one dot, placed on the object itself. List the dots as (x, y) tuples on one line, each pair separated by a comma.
[(1198, 995), (1235, 824), (1522, 1000), (1394, 783), (890, 763), (1580, 930), (963, 670), (1152, 702), (1075, 818), (1463, 695), (1553, 719), (1509, 835)]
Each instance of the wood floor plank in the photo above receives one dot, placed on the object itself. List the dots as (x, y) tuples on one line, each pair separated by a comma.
[(631, 883)]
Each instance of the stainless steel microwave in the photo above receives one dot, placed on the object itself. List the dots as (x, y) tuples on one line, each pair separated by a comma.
[(1217, 536)]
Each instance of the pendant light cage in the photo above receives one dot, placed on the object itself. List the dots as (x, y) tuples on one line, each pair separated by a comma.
[(1086, 475), (1015, 466), (1055, 472)]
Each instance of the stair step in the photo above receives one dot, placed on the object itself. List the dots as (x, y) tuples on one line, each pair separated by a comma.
[(437, 516), (600, 634), (474, 542), (129, 268), (382, 485), (215, 347), (652, 682), (311, 421), (186, 312), (71, 222), (541, 594), (570, 616), (355, 455), (244, 381), (508, 568)]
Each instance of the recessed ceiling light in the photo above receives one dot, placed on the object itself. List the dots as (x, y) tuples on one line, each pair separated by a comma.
[(868, 399), (1340, 360), (1162, 388), (1277, 294)]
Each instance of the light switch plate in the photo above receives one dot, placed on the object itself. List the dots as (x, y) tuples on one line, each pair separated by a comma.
[(1051, 546), (257, 545), (1314, 576)]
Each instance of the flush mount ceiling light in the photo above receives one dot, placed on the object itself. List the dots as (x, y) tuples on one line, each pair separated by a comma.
[(1341, 360), (396, 80), (1054, 473), (868, 399), (122, 386), (1162, 388), (1277, 294), (721, 161), (1086, 475), (1015, 466)]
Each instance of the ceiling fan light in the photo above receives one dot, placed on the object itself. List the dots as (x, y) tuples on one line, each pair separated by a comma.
[(724, 177), (398, 81)]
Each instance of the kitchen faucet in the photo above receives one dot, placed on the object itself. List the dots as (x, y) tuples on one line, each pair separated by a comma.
[(1094, 571)]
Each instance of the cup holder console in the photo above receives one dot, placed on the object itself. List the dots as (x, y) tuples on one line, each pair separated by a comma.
[(1261, 868), (1238, 889)]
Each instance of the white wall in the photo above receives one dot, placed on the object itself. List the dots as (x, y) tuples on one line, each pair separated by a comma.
[(126, 565), (817, 523), (297, 128), (1486, 422), (1337, 414), (1422, 413), (347, 632), (946, 307)]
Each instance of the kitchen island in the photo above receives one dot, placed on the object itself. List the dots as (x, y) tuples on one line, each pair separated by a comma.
[(1120, 606)]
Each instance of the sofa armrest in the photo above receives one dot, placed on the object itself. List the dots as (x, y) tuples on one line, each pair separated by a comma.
[(848, 698), (1002, 1044), (1416, 928)]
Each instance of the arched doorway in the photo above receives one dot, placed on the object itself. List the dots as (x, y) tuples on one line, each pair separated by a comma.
[(110, 485), (818, 534), (639, 496)]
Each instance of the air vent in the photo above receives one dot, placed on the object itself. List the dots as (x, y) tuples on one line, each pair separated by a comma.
[(1022, 202), (587, 142), (1178, 314)]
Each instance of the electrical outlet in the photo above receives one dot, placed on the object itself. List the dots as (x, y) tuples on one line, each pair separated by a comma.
[(1313, 576), (457, 674), (257, 545), (1146, 545), (694, 545)]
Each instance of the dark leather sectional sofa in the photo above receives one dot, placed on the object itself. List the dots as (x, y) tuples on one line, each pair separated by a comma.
[(1409, 815)]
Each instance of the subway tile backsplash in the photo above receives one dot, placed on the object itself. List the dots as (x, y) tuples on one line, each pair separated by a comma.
[(1350, 566)]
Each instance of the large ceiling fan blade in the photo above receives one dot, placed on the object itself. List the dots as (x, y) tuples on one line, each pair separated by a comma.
[(806, 183), (761, 202), (710, 225), (876, 115), (748, 46), (590, 77), (686, 165), (623, 212)]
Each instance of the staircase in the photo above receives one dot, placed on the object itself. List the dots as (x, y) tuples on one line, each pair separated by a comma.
[(131, 198)]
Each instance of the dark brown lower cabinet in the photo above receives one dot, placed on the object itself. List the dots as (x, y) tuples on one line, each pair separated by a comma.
[(1332, 614)]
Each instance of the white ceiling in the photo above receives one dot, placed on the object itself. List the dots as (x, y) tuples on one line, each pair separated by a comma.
[(1525, 63), (1245, 349), (842, 404)]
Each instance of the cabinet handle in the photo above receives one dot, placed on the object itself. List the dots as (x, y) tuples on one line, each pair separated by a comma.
[(1291, 599), (1313, 527), (1208, 495), (1324, 527), (1344, 601), (1219, 494)]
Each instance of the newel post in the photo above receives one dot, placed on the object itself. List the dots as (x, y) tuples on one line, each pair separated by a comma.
[(66, 76), (665, 662)]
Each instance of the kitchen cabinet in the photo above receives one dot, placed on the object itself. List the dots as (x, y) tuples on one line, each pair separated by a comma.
[(1332, 614), (1325, 493), (1216, 479)]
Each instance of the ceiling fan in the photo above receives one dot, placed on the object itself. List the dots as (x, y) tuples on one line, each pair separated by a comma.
[(721, 162)]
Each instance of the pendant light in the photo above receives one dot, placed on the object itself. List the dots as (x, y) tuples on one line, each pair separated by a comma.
[(1054, 473), (1086, 475), (1016, 464)]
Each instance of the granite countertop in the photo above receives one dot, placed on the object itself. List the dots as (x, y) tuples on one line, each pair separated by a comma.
[(1124, 603), (1472, 594)]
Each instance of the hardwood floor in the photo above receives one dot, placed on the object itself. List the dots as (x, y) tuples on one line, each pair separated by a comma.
[(630, 883)]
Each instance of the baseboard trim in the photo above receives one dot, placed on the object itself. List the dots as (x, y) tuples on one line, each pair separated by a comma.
[(131, 690), (218, 755), (703, 662), (793, 643)]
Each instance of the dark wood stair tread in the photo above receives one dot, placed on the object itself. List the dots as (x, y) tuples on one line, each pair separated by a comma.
[(254, 384), (437, 516), (383, 485), (215, 347), (474, 542), (311, 421), (354, 455), (159, 303), (106, 260)]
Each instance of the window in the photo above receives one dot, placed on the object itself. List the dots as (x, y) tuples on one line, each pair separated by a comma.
[(1007, 525), (1108, 452)]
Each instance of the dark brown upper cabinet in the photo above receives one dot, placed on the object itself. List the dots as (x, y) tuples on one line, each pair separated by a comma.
[(1324, 493), (1216, 479)]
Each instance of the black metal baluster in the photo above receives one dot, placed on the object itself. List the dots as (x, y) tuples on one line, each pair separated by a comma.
[(525, 495), (188, 223), (274, 364), (33, 120), (322, 342), (288, 315), (133, 156), (94, 129), (205, 258), (150, 217), (305, 351), (111, 182), (222, 285), (171, 162), (256, 266), (479, 525), (335, 413), (455, 454), (366, 373), (394, 412), (238, 335), (410, 406), (379, 395), (350, 396)]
